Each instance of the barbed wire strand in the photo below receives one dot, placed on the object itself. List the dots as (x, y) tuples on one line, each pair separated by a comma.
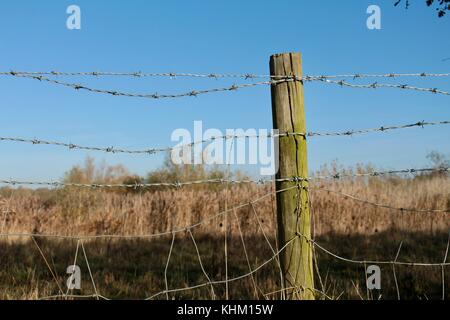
[(152, 151), (338, 176), (139, 74), (136, 186), (246, 76), (234, 87), (386, 206), (383, 75), (420, 124), (376, 85), (155, 96)]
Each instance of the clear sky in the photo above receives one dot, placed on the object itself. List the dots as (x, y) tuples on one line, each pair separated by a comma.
[(206, 36)]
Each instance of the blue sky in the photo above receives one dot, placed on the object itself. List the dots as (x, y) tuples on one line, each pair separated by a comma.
[(221, 37)]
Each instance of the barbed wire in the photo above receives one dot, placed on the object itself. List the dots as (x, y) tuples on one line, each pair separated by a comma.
[(194, 93), (383, 75), (338, 176), (379, 129), (246, 76), (273, 80), (140, 74), (376, 85), (352, 197), (156, 96), (178, 184), (152, 151)]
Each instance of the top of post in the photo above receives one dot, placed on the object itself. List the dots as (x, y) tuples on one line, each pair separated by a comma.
[(276, 55), (286, 64)]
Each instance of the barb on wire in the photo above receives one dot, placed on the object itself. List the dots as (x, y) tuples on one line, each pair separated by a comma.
[(177, 184), (352, 197), (193, 93), (152, 151), (376, 85)]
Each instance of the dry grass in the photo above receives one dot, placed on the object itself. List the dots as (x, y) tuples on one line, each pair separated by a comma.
[(73, 212), (135, 269)]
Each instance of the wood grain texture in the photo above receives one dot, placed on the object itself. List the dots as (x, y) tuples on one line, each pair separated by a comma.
[(293, 212)]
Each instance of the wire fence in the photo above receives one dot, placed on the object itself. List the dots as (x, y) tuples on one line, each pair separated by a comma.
[(273, 80), (179, 184), (296, 182), (246, 76)]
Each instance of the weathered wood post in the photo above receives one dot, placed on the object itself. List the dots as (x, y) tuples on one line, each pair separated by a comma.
[(293, 214)]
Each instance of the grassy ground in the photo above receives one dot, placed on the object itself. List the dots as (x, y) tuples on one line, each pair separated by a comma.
[(132, 269)]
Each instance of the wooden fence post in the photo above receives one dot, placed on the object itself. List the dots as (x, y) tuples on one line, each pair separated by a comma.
[(293, 214)]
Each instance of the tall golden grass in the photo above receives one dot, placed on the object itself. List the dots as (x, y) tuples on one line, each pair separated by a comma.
[(71, 211), (351, 228)]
